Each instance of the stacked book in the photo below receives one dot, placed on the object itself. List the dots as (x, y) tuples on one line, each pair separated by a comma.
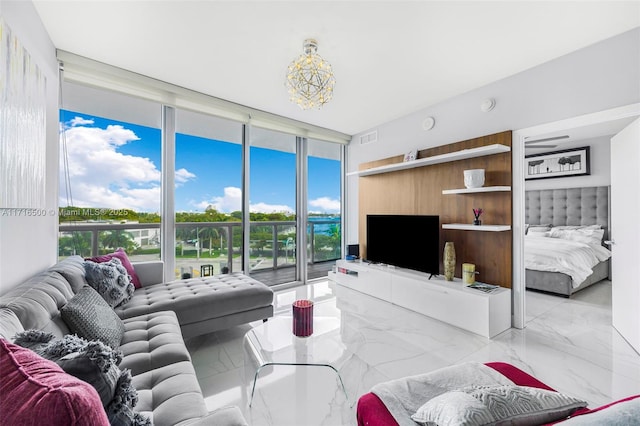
[(487, 288)]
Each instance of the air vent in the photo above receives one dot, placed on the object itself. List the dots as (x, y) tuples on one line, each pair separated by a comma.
[(369, 137)]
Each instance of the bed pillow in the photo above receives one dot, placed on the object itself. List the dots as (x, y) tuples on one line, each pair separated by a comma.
[(538, 230), (111, 280), (89, 316), (582, 235), (504, 404), (570, 227), (122, 255)]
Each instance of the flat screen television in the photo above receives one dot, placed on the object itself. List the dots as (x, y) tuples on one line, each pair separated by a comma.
[(405, 241)]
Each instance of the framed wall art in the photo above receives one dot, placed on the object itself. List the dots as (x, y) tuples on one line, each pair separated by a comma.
[(556, 164), (22, 125)]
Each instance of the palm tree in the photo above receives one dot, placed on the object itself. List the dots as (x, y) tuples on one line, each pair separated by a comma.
[(210, 232), (77, 243), (119, 238)]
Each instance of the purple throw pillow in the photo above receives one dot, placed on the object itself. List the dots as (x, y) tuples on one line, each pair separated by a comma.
[(122, 255)]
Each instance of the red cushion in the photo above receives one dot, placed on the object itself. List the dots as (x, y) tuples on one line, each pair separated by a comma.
[(36, 391), (371, 411), (122, 255)]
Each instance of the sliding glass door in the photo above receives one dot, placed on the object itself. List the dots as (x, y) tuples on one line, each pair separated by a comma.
[(272, 206), (324, 226)]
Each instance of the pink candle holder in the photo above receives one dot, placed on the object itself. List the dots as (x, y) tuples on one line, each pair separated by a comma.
[(303, 318)]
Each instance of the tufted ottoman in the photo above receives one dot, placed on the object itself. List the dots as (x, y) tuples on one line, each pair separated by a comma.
[(204, 304)]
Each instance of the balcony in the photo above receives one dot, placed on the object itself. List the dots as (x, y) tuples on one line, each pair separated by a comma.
[(218, 244)]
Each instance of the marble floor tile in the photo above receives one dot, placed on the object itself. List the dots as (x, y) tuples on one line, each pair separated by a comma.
[(568, 343)]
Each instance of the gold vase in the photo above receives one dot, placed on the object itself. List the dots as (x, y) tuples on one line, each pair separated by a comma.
[(449, 260)]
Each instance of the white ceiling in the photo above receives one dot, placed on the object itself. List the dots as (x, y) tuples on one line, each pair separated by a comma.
[(390, 58)]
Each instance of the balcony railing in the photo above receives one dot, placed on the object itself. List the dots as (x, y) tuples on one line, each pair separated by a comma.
[(272, 243)]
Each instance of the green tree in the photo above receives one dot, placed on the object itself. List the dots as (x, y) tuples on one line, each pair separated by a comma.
[(209, 233), (78, 243), (119, 238)]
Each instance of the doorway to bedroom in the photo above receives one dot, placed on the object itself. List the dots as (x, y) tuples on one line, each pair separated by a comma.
[(593, 130)]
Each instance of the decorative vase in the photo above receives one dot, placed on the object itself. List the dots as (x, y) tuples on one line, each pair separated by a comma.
[(477, 222), (449, 260), (303, 318)]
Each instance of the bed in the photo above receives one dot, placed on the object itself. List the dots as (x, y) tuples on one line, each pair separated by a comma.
[(564, 242)]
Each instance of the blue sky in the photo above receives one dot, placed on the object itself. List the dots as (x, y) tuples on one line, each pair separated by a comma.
[(114, 164)]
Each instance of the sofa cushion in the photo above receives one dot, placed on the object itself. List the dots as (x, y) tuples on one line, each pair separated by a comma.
[(9, 324), (37, 391), (163, 389), (491, 405), (72, 269), (37, 301), (152, 341), (88, 315), (122, 255), (111, 280), (200, 299)]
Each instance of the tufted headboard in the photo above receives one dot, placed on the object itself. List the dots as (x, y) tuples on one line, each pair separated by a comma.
[(569, 206)]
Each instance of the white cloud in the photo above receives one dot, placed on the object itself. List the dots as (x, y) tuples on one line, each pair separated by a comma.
[(232, 201), (101, 176), (183, 175), (270, 208), (325, 205), (79, 121)]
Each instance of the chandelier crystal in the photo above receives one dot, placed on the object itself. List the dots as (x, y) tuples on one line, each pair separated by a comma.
[(310, 79)]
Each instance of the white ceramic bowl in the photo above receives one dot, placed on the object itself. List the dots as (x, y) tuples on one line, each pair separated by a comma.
[(474, 178)]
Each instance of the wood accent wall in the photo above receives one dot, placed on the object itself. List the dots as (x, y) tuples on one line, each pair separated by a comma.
[(419, 191)]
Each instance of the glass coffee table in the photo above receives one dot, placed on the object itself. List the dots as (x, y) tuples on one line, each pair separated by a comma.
[(273, 343)]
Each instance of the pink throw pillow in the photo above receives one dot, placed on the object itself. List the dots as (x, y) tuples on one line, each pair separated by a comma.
[(122, 255), (35, 390)]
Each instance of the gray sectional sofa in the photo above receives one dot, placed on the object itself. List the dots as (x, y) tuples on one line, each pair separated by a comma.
[(156, 320)]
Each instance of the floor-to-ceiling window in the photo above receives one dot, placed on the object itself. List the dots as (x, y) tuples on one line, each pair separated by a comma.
[(110, 174), (208, 194), (204, 193), (272, 204), (324, 225)]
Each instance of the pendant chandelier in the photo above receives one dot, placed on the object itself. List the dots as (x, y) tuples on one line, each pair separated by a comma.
[(310, 79)]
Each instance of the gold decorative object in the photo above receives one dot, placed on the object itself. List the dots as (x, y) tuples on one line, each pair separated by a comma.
[(449, 260)]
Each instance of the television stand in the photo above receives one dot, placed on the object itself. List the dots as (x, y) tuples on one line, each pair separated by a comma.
[(486, 314)]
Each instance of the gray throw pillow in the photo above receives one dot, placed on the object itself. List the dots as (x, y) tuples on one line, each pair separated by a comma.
[(90, 361), (89, 316), (111, 280)]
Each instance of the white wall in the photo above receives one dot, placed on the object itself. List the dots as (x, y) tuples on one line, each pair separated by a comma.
[(602, 76), (600, 158), (29, 244)]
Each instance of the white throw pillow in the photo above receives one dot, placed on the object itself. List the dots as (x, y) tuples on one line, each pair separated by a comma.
[(581, 235), (496, 405)]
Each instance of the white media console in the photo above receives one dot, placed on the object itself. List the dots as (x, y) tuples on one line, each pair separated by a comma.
[(486, 314)]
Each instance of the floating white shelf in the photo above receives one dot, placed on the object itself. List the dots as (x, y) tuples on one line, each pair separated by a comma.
[(481, 189), (436, 159), (467, 227)]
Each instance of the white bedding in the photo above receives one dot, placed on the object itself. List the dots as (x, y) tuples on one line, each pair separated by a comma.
[(573, 258)]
